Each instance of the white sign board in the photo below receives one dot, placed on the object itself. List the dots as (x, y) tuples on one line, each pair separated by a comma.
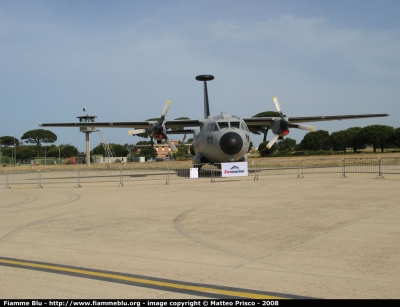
[(194, 173), (234, 169)]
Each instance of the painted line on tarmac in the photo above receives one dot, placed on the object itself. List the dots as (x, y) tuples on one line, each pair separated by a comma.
[(145, 281)]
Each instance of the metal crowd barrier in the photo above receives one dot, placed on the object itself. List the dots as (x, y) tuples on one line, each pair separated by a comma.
[(51, 177), (203, 171), (317, 166), (9, 179), (277, 168), (387, 165), (360, 165)]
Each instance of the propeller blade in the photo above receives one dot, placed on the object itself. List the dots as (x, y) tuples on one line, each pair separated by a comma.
[(272, 142), (167, 105), (277, 105), (136, 131), (171, 145), (303, 127)]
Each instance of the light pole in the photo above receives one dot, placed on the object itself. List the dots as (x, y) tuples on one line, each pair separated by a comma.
[(59, 151), (13, 152)]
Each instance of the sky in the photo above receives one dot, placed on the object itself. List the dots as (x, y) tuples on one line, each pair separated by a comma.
[(121, 60)]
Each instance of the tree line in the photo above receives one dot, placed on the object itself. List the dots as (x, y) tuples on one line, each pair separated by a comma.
[(13, 147), (378, 137)]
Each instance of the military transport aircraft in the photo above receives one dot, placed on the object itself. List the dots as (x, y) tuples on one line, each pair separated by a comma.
[(223, 138)]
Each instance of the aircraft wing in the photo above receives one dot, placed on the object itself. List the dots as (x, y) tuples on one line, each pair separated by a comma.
[(139, 125), (259, 121), (254, 121), (308, 119), (179, 132), (183, 123), (267, 121), (136, 125)]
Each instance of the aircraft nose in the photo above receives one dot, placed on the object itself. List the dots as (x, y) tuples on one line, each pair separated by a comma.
[(231, 143)]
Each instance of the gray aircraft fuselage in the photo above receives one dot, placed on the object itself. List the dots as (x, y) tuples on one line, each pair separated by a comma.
[(224, 138)]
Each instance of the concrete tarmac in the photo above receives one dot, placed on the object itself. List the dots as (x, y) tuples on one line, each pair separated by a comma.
[(321, 237)]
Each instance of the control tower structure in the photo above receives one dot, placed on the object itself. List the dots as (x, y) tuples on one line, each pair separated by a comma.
[(87, 130)]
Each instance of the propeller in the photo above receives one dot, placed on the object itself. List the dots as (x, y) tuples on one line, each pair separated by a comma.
[(272, 142), (281, 127), (158, 130), (171, 145), (278, 106), (136, 131), (302, 127), (165, 111)]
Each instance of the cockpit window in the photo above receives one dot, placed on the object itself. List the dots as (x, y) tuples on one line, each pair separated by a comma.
[(235, 125), (218, 117), (223, 125), (210, 127), (244, 126)]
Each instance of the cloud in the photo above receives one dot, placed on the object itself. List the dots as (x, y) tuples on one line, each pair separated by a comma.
[(122, 62)]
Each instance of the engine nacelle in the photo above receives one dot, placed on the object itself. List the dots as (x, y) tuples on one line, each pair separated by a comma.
[(280, 127), (158, 131), (157, 136)]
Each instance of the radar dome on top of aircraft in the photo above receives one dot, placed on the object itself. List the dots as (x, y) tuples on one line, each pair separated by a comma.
[(205, 78)]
